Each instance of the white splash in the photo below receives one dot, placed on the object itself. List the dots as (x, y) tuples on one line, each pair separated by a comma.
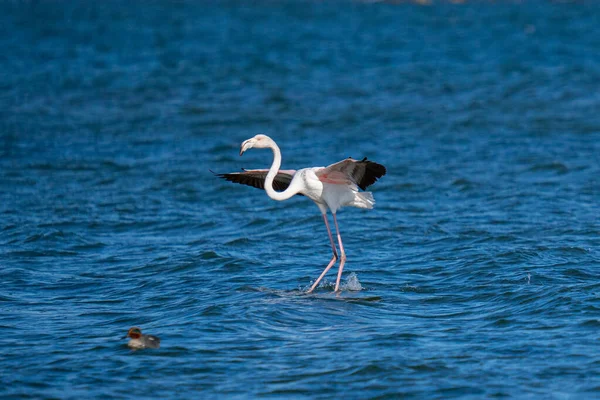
[(352, 283)]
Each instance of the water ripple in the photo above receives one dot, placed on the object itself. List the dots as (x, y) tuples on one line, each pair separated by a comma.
[(474, 276)]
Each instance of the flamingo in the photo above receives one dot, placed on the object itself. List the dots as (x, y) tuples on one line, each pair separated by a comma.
[(329, 187)]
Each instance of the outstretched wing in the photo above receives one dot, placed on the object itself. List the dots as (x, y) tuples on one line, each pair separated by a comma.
[(256, 178), (363, 173)]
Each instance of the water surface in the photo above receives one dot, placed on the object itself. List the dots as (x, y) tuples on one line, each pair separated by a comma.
[(476, 275)]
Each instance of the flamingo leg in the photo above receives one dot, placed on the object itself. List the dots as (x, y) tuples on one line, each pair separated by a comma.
[(342, 252), (333, 259)]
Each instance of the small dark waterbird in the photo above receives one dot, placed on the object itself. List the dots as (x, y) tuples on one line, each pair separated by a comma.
[(329, 187), (140, 341)]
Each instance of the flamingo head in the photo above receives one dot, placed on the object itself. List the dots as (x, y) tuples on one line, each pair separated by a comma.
[(258, 141)]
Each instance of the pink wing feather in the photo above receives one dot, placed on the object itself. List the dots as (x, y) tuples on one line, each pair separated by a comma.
[(362, 173)]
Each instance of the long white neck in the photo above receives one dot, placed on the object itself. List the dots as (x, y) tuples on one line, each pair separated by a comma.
[(287, 193)]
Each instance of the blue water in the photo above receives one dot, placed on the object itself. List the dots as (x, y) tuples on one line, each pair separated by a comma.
[(476, 275)]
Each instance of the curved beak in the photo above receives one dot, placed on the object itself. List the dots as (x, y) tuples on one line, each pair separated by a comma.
[(245, 146)]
